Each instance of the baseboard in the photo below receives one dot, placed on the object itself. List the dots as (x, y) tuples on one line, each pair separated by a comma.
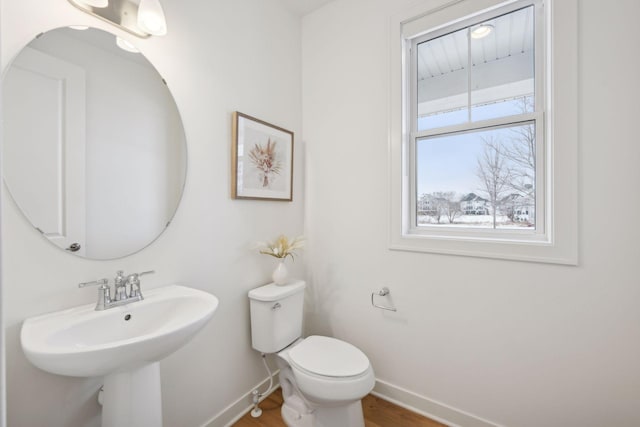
[(232, 413), (430, 408)]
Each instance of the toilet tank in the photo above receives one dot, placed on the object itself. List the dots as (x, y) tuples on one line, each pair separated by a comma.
[(276, 315)]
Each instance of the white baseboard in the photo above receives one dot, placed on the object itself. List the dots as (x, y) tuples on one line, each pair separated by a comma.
[(430, 408), (232, 413)]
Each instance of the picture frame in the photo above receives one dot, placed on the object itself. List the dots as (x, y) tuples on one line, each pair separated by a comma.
[(262, 160)]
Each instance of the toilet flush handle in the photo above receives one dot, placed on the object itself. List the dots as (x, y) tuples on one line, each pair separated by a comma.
[(276, 306)]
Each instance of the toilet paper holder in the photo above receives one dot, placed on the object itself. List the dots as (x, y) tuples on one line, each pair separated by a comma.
[(381, 293)]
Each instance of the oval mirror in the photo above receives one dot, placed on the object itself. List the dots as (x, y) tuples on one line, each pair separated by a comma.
[(94, 147)]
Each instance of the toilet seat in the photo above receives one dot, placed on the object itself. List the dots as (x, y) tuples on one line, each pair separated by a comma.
[(328, 357), (330, 371)]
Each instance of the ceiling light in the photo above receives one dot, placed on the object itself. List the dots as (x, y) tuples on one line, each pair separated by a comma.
[(151, 17), (481, 31), (126, 45)]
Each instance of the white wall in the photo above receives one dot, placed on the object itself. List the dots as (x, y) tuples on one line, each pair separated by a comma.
[(519, 344), (218, 57)]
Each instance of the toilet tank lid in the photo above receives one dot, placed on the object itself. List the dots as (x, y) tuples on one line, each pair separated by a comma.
[(273, 292)]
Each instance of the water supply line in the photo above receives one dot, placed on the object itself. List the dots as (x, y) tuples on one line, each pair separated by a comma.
[(256, 395)]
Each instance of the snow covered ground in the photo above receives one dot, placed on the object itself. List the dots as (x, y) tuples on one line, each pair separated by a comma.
[(483, 221)]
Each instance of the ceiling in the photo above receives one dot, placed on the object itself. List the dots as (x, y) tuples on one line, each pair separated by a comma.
[(512, 35), (303, 7)]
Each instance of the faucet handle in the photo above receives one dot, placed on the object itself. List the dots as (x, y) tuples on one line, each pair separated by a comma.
[(101, 282), (135, 277), (104, 297), (134, 283), (119, 280)]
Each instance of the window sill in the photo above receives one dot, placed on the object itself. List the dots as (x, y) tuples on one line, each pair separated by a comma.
[(531, 251)]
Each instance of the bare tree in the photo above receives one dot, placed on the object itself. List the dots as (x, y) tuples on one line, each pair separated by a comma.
[(437, 207), (521, 154), (453, 210), (449, 204), (493, 173)]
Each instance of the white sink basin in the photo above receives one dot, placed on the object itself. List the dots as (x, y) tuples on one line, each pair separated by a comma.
[(83, 342)]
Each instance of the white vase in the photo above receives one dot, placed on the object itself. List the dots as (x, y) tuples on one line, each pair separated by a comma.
[(280, 274)]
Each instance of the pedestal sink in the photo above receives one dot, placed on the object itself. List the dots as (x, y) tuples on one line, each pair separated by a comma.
[(123, 344)]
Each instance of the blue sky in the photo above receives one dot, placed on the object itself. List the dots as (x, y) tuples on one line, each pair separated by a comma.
[(449, 163)]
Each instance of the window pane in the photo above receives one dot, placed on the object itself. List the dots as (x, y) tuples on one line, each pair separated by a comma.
[(477, 179), (443, 81), (502, 65)]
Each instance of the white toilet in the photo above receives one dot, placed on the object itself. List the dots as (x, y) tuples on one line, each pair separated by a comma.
[(323, 379)]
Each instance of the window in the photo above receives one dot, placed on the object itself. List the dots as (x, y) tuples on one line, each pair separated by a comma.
[(477, 168), (474, 118)]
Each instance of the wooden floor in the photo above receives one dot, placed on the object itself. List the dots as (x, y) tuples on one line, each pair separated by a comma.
[(377, 413)]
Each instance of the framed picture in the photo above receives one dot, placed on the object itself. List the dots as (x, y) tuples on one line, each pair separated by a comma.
[(262, 160)]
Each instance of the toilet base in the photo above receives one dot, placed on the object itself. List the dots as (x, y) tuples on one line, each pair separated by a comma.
[(298, 412), (293, 416), (337, 416)]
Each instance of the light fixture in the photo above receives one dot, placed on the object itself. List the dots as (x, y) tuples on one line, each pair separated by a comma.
[(481, 31), (142, 18), (126, 45), (151, 17), (95, 3)]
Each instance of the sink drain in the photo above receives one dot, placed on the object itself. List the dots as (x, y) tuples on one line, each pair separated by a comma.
[(127, 317)]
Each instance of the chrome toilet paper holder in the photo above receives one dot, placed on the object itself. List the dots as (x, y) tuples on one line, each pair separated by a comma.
[(381, 293)]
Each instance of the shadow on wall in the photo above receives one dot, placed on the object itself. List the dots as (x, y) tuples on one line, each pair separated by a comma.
[(321, 298), (27, 381)]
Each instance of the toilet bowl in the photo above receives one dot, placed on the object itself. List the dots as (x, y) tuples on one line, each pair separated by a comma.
[(323, 379)]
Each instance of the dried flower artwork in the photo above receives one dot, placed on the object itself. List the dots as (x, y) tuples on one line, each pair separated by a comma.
[(264, 158)]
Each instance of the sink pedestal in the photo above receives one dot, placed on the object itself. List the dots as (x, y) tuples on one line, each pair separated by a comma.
[(133, 398)]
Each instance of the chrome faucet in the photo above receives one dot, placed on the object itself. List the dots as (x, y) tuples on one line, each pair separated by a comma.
[(121, 296)]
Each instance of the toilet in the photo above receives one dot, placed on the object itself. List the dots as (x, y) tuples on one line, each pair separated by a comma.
[(323, 379)]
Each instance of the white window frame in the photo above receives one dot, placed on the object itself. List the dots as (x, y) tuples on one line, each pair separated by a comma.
[(556, 235)]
